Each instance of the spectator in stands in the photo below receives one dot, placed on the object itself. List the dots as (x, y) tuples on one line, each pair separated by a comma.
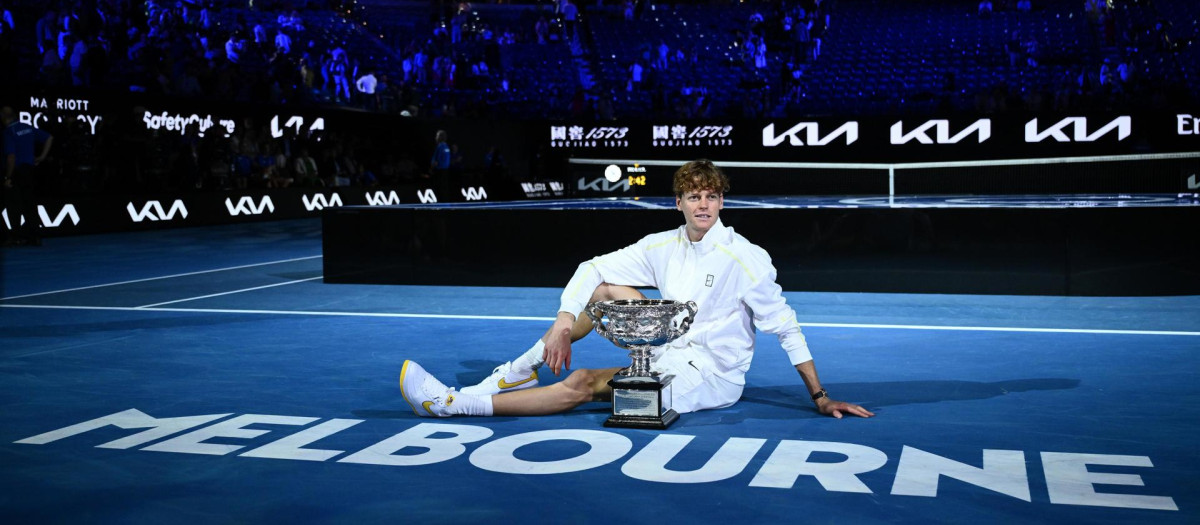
[(260, 36), (20, 181), (64, 40), (339, 73), (985, 8), (542, 30), (283, 42), (439, 164), (664, 51), (635, 76), (234, 48), (46, 31), (274, 175), (306, 172), (570, 15), (760, 54), (366, 85)]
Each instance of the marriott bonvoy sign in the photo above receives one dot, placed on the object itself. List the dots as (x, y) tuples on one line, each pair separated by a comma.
[(1068, 480)]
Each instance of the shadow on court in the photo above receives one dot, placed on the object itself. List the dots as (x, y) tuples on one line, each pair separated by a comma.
[(897, 393)]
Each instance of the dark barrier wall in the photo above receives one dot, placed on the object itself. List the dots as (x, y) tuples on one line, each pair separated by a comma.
[(1135, 251), (537, 146)]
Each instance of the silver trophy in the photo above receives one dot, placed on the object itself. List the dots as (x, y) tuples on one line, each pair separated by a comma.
[(641, 397)]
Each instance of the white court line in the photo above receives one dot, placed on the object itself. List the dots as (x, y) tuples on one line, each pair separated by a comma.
[(649, 205), (551, 319), (161, 277), (144, 307)]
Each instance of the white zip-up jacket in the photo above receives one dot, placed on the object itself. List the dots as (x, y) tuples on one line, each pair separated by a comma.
[(731, 280)]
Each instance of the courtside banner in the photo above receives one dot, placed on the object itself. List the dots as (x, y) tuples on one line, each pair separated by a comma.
[(126, 212), (882, 139)]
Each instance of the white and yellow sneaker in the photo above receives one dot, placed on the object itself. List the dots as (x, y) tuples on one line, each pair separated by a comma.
[(503, 379), (427, 396)]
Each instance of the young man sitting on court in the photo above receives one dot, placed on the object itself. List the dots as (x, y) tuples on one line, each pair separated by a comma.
[(731, 280)]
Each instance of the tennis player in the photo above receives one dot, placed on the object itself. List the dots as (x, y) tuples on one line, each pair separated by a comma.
[(732, 282)]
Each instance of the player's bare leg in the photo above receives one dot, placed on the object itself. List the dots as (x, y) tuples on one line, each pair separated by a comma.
[(522, 372), (582, 386)]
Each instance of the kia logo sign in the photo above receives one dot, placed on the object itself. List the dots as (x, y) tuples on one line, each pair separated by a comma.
[(246, 206), (811, 135), (473, 194), (1079, 125), (153, 211), (982, 128), (320, 202), (380, 198)]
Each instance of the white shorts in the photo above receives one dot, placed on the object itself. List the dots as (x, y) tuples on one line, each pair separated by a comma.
[(695, 386)]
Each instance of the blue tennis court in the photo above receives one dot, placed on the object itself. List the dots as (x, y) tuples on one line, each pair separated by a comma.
[(208, 375)]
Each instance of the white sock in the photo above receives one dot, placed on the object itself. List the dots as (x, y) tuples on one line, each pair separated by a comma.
[(532, 359), (468, 405)]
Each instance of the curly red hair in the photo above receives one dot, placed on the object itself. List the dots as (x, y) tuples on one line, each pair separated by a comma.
[(699, 175)]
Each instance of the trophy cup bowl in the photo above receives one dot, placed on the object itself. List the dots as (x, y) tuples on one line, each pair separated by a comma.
[(641, 397)]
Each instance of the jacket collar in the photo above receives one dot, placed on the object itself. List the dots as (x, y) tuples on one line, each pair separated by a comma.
[(717, 235)]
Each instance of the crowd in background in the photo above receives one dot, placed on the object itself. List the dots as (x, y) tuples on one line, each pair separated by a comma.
[(459, 60)]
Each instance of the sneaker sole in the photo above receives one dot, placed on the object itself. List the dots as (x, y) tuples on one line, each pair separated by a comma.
[(403, 373)]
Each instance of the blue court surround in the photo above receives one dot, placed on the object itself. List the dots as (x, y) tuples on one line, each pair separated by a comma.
[(235, 321)]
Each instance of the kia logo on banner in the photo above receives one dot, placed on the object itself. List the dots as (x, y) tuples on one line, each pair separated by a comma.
[(427, 196), (67, 211), (296, 123), (812, 134), (982, 128), (473, 194), (320, 202), (247, 206), (603, 185), (1123, 126), (380, 198), (153, 211)]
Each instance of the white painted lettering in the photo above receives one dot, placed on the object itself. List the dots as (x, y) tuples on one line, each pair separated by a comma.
[(498, 455), (1003, 471), (650, 463), (292, 447), (129, 419), (194, 442), (790, 460), (421, 437), (1070, 483)]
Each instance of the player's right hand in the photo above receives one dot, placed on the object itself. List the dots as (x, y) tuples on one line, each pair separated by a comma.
[(557, 354)]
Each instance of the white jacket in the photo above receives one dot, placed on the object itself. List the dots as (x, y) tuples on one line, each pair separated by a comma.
[(731, 280)]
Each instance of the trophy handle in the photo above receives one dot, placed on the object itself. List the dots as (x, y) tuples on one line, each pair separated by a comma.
[(686, 322), (593, 311)]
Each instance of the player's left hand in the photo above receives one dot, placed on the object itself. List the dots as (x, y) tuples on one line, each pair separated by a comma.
[(835, 408)]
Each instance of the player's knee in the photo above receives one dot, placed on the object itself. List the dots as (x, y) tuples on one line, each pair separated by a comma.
[(580, 383), (609, 292)]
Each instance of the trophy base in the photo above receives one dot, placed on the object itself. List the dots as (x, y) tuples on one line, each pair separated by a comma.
[(641, 402), (647, 422)]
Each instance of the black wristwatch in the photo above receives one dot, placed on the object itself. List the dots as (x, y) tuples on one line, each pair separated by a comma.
[(820, 393)]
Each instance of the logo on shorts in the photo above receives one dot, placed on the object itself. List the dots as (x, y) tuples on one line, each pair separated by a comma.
[(708, 281)]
